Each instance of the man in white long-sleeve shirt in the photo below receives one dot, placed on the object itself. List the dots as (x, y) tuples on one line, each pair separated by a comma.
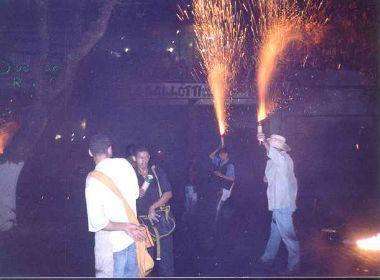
[(115, 248), (282, 195)]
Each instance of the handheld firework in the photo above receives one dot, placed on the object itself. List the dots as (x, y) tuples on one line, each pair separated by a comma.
[(278, 25), (222, 140), (260, 134)]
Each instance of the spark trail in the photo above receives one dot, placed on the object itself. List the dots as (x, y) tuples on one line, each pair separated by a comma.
[(220, 40)]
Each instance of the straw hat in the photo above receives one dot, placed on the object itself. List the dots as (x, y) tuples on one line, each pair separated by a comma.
[(279, 142)]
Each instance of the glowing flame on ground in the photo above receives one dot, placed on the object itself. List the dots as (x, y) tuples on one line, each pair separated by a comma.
[(220, 40), (372, 244), (6, 133), (278, 24)]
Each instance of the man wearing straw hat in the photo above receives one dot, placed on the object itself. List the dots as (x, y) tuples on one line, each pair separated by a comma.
[(282, 194)]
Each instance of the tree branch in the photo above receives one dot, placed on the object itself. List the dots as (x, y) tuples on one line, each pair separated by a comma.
[(88, 41), (37, 117), (40, 60)]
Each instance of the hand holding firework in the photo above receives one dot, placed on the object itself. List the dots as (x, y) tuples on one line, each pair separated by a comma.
[(261, 137)]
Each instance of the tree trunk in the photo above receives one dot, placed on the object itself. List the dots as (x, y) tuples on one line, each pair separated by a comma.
[(49, 100), (9, 173)]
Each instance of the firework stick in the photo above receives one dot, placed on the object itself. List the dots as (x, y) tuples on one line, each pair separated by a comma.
[(260, 131), (222, 140)]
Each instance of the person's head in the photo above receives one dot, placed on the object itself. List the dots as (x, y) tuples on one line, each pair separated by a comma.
[(100, 147), (142, 156), (223, 154), (278, 142), (130, 153)]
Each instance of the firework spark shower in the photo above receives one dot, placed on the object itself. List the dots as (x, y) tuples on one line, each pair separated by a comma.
[(277, 24), (220, 38)]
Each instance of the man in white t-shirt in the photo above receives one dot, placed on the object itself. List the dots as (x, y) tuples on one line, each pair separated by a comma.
[(115, 248)]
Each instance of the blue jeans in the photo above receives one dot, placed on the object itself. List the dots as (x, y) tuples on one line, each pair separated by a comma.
[(125, 262), (282, 228)]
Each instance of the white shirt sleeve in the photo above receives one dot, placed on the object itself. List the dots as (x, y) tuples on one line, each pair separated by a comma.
[(97, 219)]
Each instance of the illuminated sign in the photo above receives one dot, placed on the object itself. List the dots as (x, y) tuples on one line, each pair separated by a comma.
[(177, 91)]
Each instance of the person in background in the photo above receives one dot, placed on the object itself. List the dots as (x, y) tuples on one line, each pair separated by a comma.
[(282, 195), (191, 195), (224, 173), (130, 154)]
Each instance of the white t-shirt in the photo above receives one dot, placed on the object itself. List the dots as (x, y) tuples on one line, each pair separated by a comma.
[(104, 206)]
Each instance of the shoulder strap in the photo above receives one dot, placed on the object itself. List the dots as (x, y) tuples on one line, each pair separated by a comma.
[(108, 182), (158, 182), (145, 262)]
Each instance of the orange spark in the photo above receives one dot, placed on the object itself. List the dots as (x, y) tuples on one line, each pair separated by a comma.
[(274, 43), (220, 40), (218, 81), (6, 133), (278, 24)]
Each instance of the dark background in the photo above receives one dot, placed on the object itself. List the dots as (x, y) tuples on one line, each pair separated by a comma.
[(338, 185)]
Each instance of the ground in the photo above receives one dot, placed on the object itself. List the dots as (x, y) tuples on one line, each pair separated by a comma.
[(63, 247)]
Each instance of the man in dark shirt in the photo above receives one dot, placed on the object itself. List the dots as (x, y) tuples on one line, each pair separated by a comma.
[(224, 176), (151, 199)]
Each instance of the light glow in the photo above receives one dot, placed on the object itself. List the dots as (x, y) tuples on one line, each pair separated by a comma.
[(83, 124), (279, 24), (6, 133), (371, 244), (219, 38)]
